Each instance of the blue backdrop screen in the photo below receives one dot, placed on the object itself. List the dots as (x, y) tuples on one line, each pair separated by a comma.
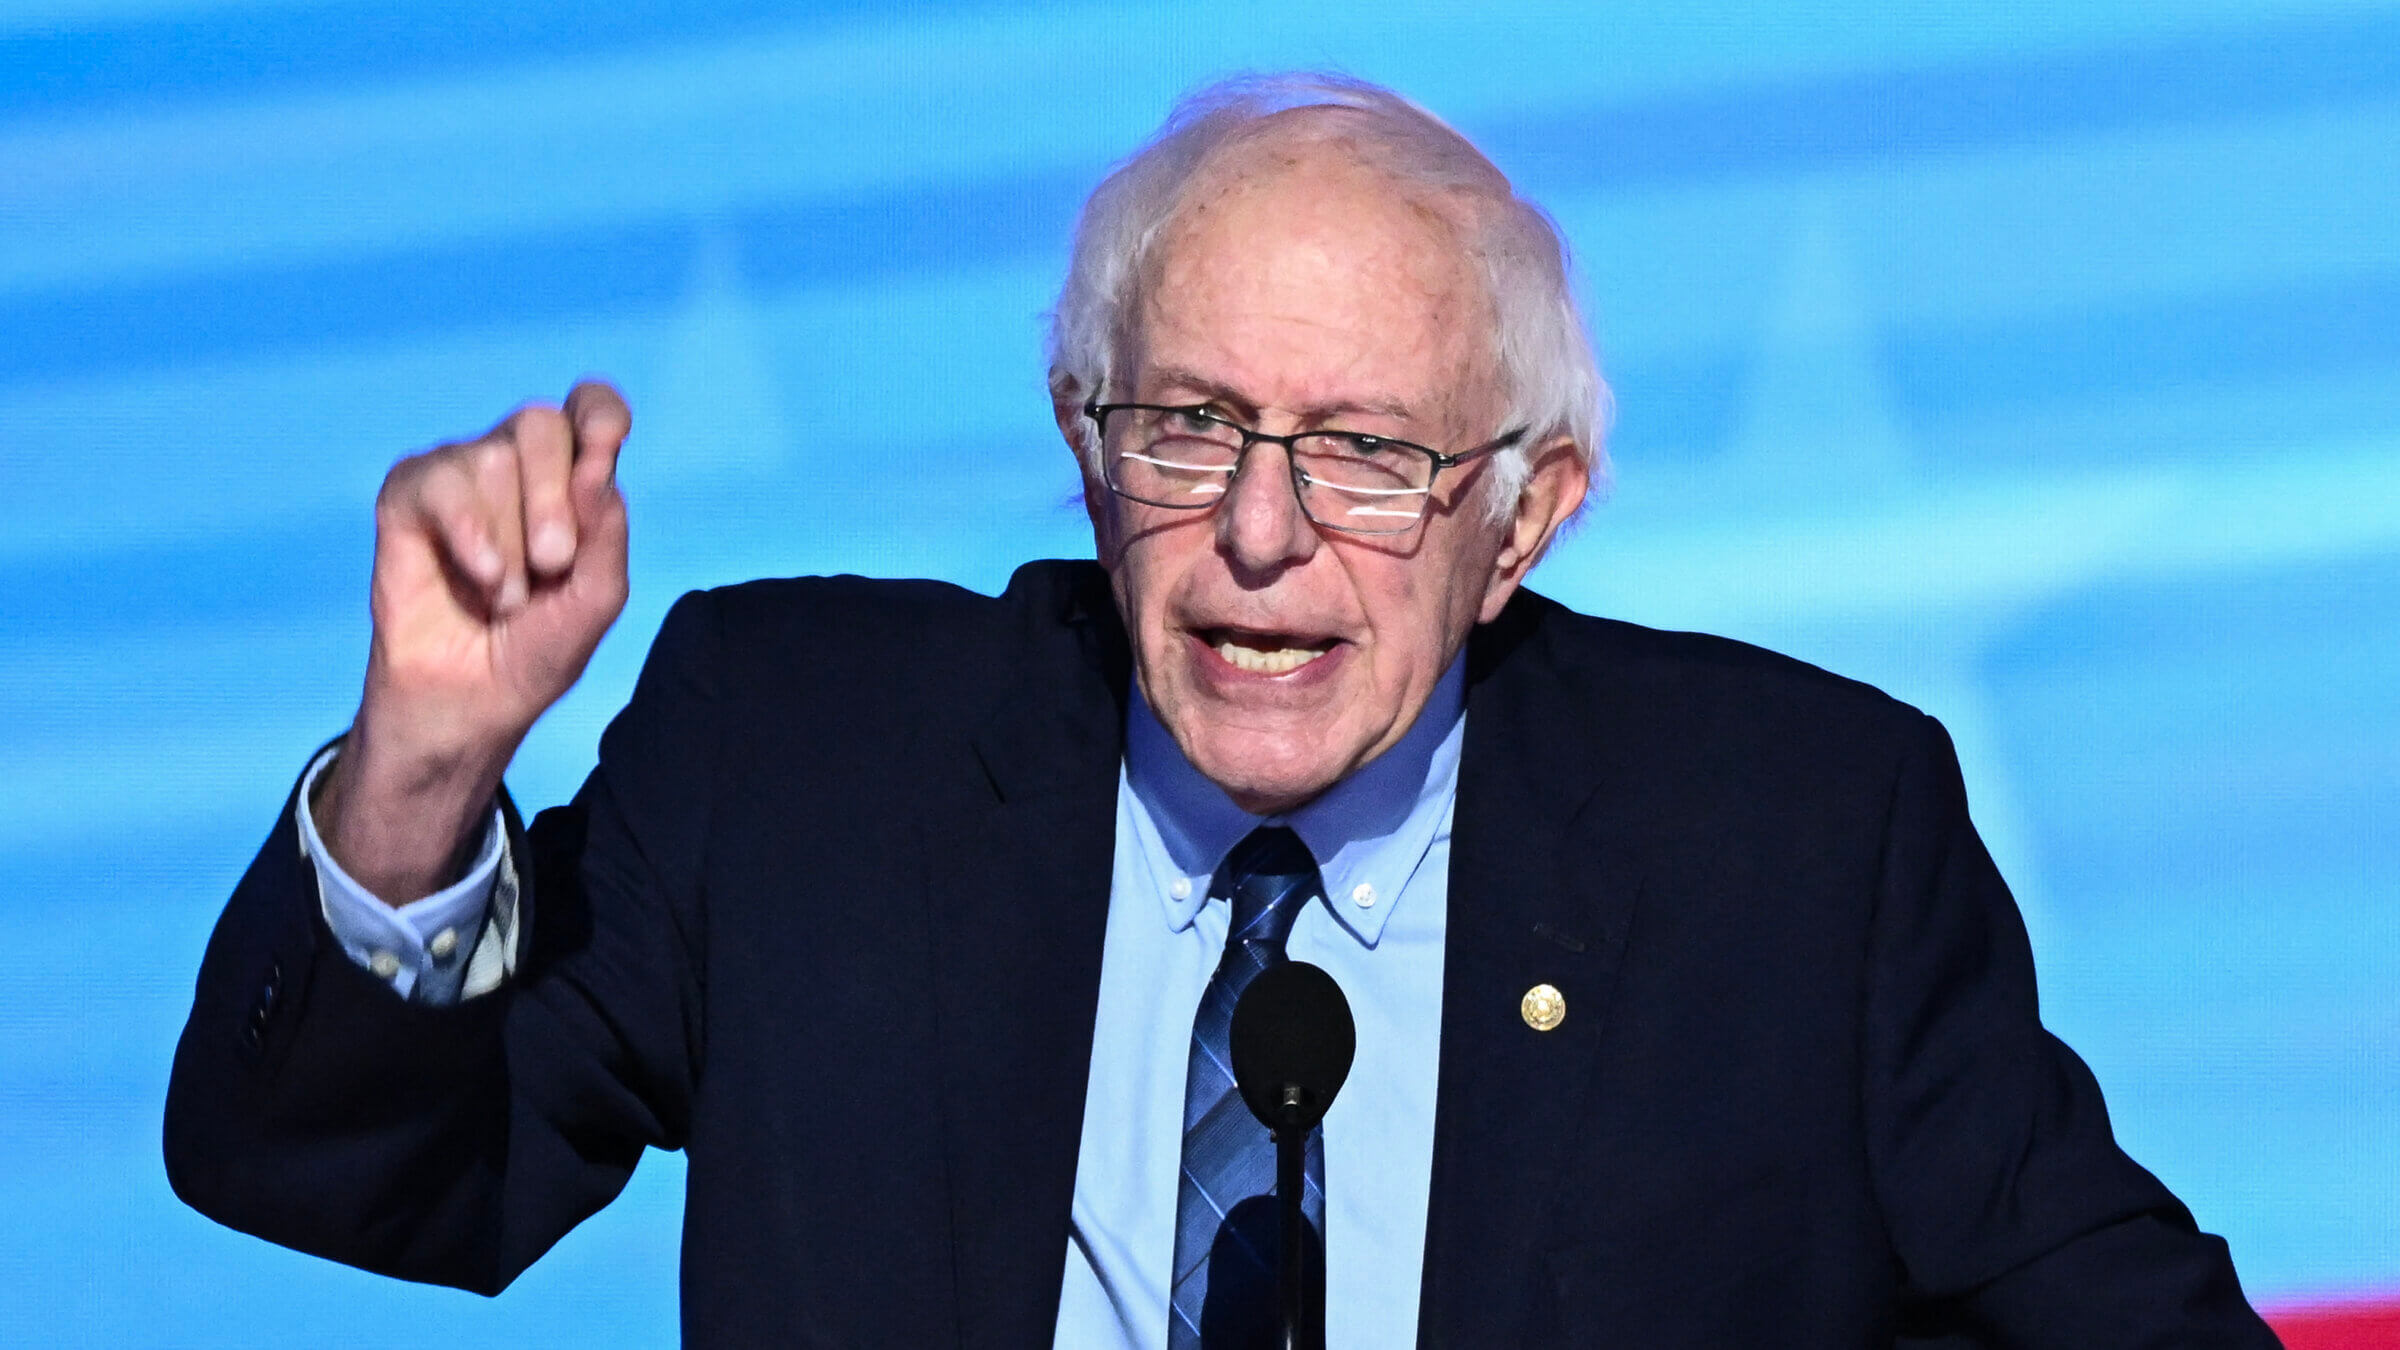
[(2036, 362)]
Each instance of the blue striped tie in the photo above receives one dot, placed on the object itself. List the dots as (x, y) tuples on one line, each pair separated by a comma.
[(1227, 1238)]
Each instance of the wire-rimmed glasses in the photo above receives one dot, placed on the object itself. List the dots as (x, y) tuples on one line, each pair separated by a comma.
[(1184, 458)]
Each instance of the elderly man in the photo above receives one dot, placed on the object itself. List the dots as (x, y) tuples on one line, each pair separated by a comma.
[(1690, 1010)]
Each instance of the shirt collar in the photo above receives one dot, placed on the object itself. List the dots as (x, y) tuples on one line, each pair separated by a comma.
[(1368, 832)]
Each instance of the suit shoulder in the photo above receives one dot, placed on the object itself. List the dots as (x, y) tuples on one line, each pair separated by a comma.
[(1675, 654), (867, 640), (815, 606), (1709, 684), (868, 606)]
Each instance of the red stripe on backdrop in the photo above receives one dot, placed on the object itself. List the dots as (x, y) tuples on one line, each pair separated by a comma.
[(2349, 1326)]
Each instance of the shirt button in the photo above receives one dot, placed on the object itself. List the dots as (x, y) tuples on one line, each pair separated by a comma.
[(1363, 895), (385, 965), (1180, 888), (444, 943)]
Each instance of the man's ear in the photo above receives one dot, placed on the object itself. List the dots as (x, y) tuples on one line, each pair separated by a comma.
[(1553, 490), (1076, 430), (1068, 413)]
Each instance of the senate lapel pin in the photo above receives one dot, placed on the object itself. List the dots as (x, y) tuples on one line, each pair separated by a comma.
[(1543, 1007)]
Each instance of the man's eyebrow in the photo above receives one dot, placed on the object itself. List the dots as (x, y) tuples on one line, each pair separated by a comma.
[(1176, 378)]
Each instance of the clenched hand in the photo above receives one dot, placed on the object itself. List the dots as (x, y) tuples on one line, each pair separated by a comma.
[(499, 563)]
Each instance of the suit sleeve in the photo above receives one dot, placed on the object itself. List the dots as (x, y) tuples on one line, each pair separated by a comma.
[(455, 1144), (2007, 1197)]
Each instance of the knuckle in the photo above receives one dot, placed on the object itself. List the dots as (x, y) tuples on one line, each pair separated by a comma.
[(539, 421), (416, 482), (537, 426), (487, 460), (408, 471)]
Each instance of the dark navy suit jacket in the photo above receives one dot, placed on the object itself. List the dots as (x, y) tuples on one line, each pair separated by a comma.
[(828, 916)]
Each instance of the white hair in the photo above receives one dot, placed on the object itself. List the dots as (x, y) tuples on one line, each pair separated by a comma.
[(1549, 376)]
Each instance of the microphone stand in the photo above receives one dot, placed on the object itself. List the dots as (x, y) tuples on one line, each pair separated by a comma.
[(1291, 1153), (1292, 1041)]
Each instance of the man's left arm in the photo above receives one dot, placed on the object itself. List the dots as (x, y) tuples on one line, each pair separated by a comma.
[(2005, 1193)]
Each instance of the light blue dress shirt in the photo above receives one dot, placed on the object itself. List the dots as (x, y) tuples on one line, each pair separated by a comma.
[(1381, 838)]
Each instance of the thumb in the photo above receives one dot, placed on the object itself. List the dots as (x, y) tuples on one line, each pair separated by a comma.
[(597, 414)]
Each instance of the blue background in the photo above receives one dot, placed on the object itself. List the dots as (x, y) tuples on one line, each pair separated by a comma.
[(2036, 362)]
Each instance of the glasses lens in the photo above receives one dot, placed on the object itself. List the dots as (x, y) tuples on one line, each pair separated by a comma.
[(1170, 458), (1362, 483)]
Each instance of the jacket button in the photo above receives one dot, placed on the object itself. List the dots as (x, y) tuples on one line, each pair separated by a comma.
[(270, 994)]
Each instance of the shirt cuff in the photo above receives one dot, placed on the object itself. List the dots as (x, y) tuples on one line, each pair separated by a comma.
[(421, 949)]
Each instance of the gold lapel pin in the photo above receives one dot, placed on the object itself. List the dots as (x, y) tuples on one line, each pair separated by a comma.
[(1543, 1007)]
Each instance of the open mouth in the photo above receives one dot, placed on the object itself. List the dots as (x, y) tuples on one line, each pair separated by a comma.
[(1264, 653)]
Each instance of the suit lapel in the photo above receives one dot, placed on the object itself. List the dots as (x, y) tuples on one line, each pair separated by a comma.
[(1537, 897), (1020, 863)]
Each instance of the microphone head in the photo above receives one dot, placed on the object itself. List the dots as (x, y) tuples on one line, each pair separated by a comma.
[(1292, 1041)]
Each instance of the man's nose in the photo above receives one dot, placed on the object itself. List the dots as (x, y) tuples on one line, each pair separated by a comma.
[(1260, 525)]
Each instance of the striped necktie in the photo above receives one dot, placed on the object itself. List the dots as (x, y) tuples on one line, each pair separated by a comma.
[(1227, 1234)]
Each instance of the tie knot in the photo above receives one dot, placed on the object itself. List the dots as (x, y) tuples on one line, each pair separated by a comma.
[(1267, 878)]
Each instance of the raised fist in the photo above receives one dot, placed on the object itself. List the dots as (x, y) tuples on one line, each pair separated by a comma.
[(499, 563)]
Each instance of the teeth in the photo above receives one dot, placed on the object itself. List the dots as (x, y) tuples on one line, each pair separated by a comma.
[(1274, 662)]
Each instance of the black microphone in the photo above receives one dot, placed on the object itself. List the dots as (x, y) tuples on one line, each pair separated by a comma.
[(1292, 1041)]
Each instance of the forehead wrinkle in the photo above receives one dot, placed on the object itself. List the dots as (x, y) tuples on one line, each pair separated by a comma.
[(1179, 377)]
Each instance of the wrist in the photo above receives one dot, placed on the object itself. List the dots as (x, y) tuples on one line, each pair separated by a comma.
[(404, 824)]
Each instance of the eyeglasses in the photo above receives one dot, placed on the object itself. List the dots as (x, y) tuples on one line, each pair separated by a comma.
[(1185, 459)]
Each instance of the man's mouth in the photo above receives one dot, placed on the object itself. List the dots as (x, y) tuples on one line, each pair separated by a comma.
[(1264, 653)]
